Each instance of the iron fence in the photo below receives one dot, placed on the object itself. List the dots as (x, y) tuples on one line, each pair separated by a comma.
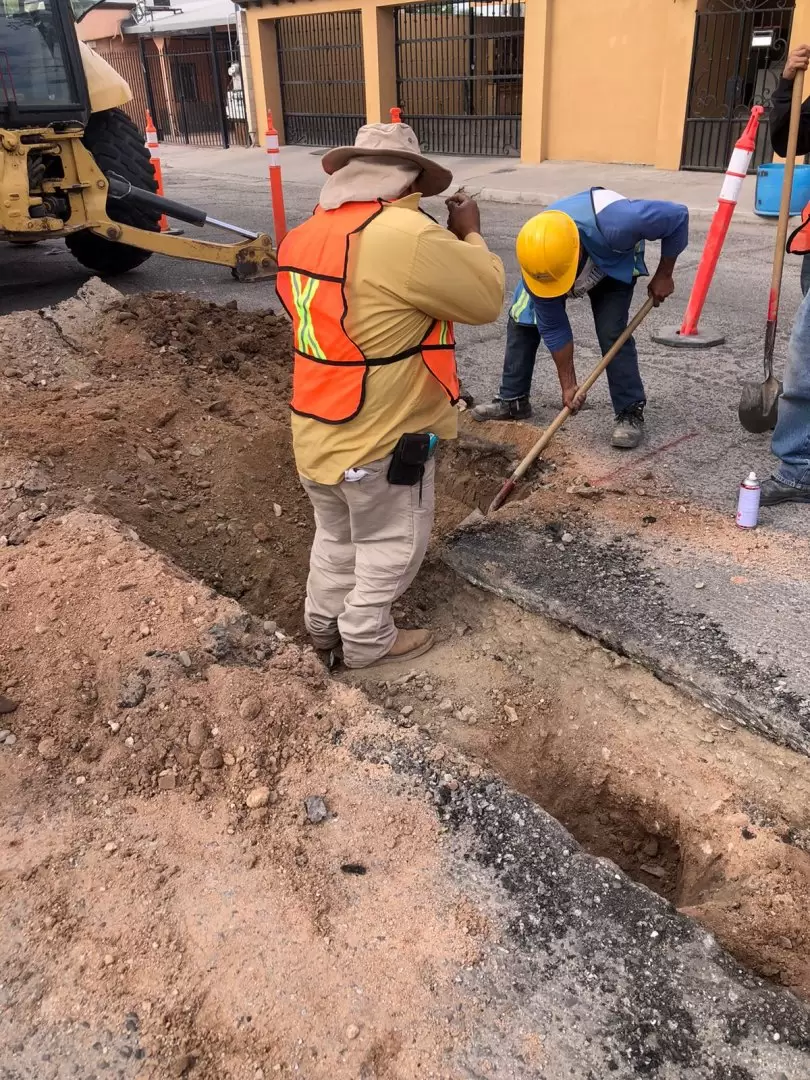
[(739, 51), (320, 61), (193, 89), (459, 71)]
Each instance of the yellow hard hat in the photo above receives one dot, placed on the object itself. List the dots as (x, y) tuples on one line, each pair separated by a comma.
[(547, 249)]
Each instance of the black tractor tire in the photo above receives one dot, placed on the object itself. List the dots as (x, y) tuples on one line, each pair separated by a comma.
[(117, 146)]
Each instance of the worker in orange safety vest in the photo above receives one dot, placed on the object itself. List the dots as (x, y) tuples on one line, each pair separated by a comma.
[(373, 286)]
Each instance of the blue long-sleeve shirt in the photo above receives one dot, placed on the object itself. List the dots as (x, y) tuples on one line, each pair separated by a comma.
[(624, 224)]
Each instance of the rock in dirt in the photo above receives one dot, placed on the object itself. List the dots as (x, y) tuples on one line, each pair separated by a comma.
[(181, 1065), (167, 781), (8, 705), (133, 691), (250, 707), (211, 759), (197, 737), (316, 809), (261, 532), (48, 749), (258, 797)]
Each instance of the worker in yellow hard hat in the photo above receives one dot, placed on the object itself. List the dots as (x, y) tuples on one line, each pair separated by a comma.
[(590, 243)]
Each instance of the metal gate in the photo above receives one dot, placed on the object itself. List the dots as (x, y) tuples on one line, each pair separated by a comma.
[(193, 89), (459, 69), (320, 62), (737, 59)]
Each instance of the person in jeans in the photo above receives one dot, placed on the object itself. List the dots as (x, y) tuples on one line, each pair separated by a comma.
[(779, 122), (373, 286), (791, 438), (589, 244)]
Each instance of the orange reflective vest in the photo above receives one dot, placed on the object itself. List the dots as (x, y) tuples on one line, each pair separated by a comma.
[(799, 240), (330, 370)]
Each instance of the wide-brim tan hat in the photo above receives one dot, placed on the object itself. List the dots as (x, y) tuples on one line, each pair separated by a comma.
[(391, 142)]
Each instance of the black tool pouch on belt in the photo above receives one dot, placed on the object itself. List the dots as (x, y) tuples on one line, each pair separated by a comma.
[(408, 463)]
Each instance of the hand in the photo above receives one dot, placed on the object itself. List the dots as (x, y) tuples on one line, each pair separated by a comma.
[(571, 399), (463, 215), (661, 286), (797, 61)]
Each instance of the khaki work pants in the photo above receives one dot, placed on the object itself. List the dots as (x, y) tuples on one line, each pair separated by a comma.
[(370, 540)]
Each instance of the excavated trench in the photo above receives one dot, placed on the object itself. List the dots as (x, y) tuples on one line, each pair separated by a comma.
[(190, 447)]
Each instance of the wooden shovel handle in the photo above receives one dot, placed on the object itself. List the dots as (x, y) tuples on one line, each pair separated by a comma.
[(784, 216), (584, 387)]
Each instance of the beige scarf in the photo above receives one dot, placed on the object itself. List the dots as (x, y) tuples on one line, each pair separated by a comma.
[(368, 179)]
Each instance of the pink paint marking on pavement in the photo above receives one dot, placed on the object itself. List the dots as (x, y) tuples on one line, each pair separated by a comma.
[(644, 457)]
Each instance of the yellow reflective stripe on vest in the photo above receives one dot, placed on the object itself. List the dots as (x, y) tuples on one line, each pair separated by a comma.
[(519, 305), (303, 293), (444, 333)]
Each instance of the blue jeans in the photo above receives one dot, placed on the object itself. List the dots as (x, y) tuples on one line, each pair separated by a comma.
[(610, 303), (791, 439)]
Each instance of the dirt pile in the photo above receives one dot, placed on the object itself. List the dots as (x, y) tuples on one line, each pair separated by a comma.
[(167, 903), (178, 425), (170, 414), (175, 903)]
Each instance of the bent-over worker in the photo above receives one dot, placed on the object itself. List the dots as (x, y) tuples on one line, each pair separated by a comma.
[(589, 244), (373, 286)]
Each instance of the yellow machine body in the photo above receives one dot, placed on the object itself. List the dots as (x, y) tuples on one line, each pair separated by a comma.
[(24, 206)]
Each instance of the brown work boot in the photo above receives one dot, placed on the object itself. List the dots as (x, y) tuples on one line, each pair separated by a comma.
[(408, 645)]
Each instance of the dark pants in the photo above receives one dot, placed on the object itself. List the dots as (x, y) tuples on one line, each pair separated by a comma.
[(805, 278), (610, 302)]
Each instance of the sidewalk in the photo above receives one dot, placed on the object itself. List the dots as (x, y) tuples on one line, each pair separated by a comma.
[(502, 180)]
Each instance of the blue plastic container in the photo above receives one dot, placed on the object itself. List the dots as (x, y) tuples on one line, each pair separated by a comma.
[(768, 192)]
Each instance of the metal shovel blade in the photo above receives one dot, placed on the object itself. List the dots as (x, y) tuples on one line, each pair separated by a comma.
[(758, 405)]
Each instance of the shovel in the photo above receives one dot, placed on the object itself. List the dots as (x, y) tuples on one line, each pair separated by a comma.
[(563, 414), (759, 401)]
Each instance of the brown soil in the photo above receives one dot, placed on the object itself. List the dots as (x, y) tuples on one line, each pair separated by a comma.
[(170, 415), (640, 499), (178, 425), (686, 802), (157, 862)]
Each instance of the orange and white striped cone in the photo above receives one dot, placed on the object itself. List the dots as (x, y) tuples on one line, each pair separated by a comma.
[(152, 145), (688, 335), (274, 178)]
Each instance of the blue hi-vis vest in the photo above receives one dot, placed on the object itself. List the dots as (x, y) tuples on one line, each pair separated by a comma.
[(584, 208)]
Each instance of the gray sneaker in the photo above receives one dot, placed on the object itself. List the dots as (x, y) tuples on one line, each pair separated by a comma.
[(629, 428), (519, 409)]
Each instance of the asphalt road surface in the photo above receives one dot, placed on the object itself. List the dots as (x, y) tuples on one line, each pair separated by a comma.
[(693, 395)]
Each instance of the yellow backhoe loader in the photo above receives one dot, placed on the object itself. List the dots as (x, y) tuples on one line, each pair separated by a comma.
[(73, 164)]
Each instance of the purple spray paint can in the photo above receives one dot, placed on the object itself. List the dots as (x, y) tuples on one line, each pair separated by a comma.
[(748, 502)]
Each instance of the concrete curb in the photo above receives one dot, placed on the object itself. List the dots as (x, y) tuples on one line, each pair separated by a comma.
[(542, 198), (609, 591)]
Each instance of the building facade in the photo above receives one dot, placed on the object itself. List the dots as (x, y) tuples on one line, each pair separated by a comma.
[(183, 64), (668, 83)]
